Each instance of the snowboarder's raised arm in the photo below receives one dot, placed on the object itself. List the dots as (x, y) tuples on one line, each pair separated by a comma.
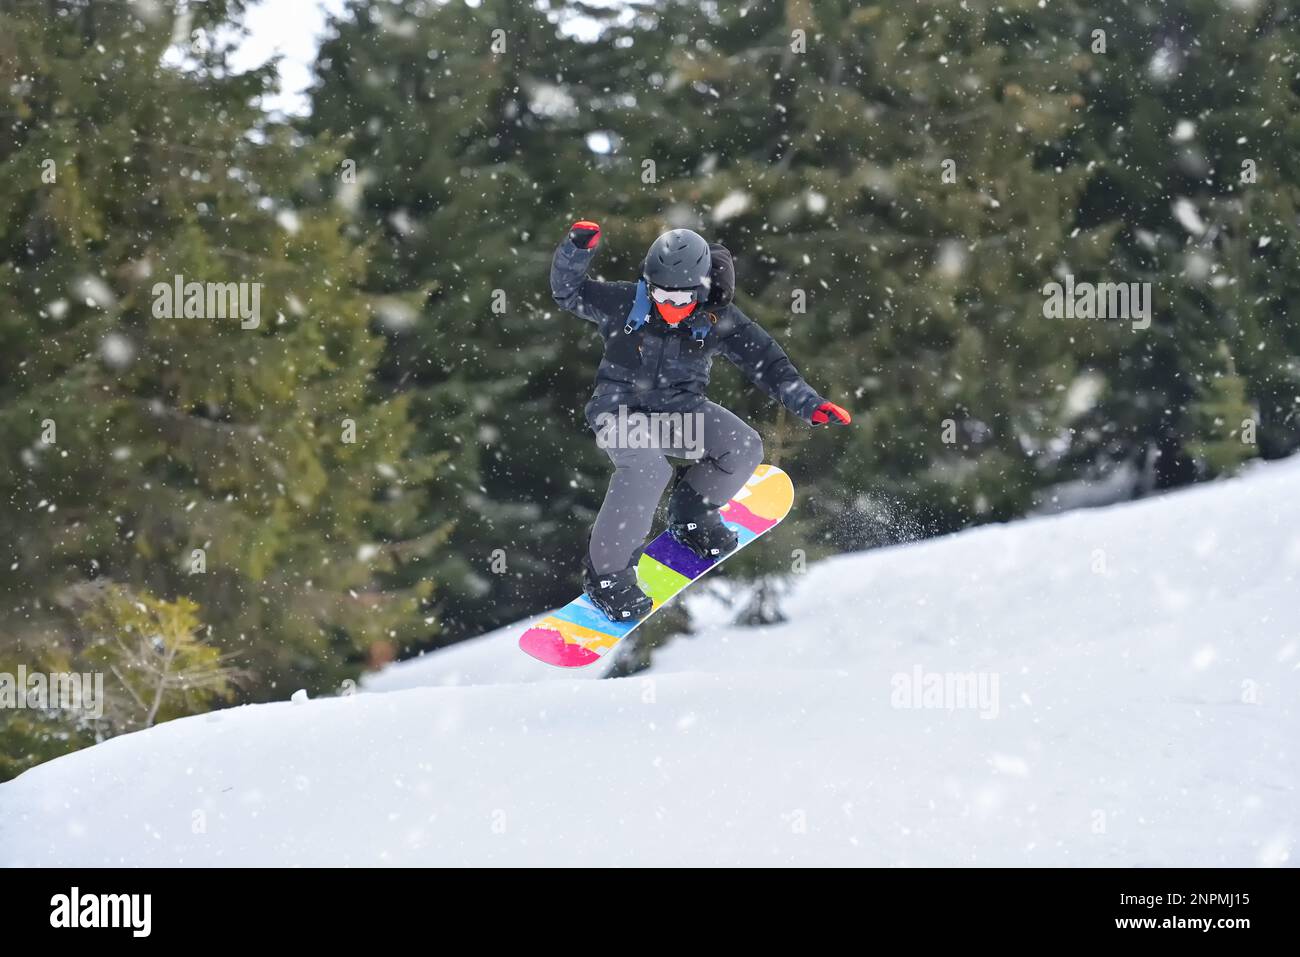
[(755, 353), (586, 298)]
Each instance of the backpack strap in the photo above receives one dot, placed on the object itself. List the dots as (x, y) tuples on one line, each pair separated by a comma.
[(639, 314), (701, 322)]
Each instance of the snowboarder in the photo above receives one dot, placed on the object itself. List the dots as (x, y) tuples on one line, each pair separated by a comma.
[(660, 335)]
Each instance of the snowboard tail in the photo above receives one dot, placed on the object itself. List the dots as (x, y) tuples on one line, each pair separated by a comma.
[(580, 634)]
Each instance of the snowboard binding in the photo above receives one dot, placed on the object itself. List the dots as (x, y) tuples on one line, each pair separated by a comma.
[(617, 594), (692, 523), (706, 535)]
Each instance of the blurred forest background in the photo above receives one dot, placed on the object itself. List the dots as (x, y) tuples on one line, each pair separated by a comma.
[(207, 514)]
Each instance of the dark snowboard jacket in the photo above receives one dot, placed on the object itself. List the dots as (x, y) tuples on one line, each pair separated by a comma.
[(662, 368)]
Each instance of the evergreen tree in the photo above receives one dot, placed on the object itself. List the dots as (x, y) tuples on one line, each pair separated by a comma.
[(457, 123), (173, 445)]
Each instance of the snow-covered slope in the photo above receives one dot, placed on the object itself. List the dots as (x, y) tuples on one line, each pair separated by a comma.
[(1135, 674), (493, 658)]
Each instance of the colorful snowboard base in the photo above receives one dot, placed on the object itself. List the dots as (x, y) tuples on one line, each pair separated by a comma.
[(579, 634)]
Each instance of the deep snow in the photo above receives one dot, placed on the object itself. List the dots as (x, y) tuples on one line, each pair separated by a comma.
[(1147, 712)]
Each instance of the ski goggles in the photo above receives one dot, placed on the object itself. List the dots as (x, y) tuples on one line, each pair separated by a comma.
[(673, 297)]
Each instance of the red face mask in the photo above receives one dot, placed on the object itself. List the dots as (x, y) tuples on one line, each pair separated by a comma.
[(674, 314)]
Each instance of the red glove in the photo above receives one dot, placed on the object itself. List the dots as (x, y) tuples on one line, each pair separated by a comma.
[(584, 234), (832, 413)]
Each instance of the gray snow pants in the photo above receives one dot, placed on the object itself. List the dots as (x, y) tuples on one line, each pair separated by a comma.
[(728, 451)]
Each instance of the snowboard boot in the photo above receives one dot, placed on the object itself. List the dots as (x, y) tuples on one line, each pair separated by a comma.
[(617, 594), (693, 523)]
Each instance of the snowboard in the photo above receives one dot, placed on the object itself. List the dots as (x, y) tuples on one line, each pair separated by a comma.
[(579, 634)]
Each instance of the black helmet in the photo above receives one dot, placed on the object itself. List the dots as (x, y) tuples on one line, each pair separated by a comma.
[(679, 259)]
